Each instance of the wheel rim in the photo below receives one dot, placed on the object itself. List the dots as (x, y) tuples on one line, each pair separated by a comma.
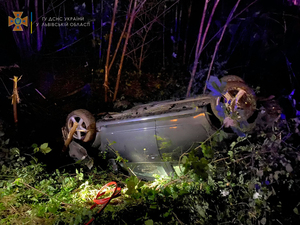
[(81, 129), (238, 101)]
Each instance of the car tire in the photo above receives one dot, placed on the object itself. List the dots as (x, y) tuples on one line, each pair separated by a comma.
[(86, 129), (232, 78), (247, 102)]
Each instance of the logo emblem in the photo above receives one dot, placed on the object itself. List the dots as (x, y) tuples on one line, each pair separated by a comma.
[(18, 21)]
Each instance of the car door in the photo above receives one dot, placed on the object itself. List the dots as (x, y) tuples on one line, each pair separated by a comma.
[(177, 133), (133, 139)]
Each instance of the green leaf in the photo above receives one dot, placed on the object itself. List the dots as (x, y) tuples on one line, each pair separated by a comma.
[(135, 180), (184, 159), (44, 146), (46, 150), (201, 167), (34, 199), (34, 145), (241, 179), (181, 192), (166, 214), (6, 142), (273, 137), (35, 150), (78, 161), (296, 211), (140, 184), (19, 181), (15, 151), (167, 191), (151, 198), (232, 144), (34, 161), (222, 135), (207, 150), (276, 174), (149, 222), (153, 206), (131, 187), (201, 212)]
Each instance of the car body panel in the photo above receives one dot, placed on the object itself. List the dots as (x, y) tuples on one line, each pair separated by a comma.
[(154, 138), (172, 133), (135, 141)]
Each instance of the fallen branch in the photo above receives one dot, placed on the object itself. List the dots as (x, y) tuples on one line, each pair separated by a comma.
[(15, 97), (40, 93), (177, 218), (69, 137), (220, 159)]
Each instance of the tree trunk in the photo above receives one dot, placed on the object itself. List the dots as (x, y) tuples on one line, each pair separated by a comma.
[(196, 52), (200, 44), (108, 49), (219, 41), (121, 36), (135, 10)]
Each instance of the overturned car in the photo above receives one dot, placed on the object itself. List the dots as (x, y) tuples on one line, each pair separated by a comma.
[(153, 136)]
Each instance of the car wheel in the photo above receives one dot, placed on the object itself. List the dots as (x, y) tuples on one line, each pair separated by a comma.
[(86, 129), (232, 78), (238, 98)]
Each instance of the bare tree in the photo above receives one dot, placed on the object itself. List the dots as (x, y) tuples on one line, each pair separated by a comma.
[(139, 43), (229, 18), (201, 39), (200, 42), (136, 11), (108, 50), (136, 8)]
